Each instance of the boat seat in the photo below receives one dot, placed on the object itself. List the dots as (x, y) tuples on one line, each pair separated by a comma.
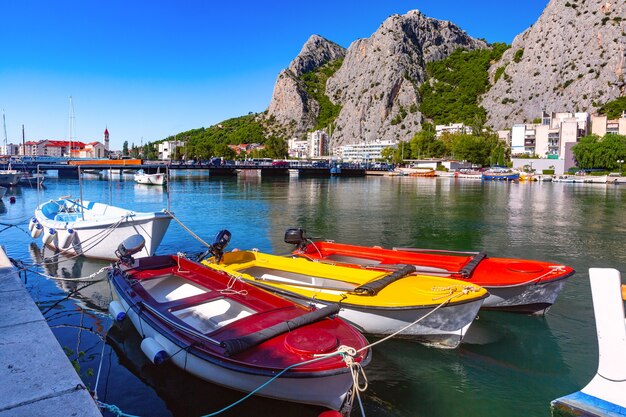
[(66, 217)]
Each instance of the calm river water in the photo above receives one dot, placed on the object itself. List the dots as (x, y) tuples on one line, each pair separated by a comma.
[(510, 365)]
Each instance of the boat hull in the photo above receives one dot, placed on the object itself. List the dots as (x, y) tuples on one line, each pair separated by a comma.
[(443, 327), (224, 332), (439, 309), (536, 298), (515, 285), (325, 391), (99, 238), (150, 179), (9, 178)]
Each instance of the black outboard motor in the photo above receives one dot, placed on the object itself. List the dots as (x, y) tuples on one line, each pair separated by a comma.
[(130, 246), (221, 240), (295, 236)]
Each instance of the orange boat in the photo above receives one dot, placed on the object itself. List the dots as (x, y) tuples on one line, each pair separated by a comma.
[(519, 285)]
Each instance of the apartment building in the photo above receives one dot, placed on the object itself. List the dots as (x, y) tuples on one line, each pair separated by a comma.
[(365, 151), (549, 138), (601, 125)]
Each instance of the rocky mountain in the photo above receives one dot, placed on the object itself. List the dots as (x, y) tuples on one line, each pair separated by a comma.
[(571, 59), (376, 85), (291, 105)]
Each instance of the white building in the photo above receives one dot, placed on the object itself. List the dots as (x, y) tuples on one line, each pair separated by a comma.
[(318, 143), (10, 149), (549, 138), (298, 148), (600, 125), (452, 128), (365, 151), (167, 148)]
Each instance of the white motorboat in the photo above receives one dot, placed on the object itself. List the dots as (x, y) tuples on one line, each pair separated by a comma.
[(142, 177), (9, 177), (605, 395), (95, 229)]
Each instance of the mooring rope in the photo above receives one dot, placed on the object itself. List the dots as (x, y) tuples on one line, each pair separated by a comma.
[(195, 236)]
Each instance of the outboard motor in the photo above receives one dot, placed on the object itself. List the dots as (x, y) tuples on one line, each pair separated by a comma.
[(221, 240), (130, 246), (295, 236)]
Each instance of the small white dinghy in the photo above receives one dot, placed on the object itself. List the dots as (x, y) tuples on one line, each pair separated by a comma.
[(142, 177), (605, 395), (95, 229)]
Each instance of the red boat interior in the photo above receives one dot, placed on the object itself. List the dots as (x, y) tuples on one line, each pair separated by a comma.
[(475, 267), (214, 305)]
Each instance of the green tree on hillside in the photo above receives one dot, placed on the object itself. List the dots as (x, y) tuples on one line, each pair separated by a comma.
[(424, 143), (125, 148), (614, 109), (454, 85)]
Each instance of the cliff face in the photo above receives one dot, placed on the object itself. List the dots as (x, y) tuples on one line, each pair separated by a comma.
[(291, 105), (377, 82), (571, 59)]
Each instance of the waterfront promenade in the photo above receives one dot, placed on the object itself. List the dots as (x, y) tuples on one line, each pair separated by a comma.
[(36, 377)]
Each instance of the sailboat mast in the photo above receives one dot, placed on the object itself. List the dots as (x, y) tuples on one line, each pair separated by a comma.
[(4, 121), (71, 126)]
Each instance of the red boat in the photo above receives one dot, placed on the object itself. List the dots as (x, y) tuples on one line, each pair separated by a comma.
[(234, 334), (518, 285)]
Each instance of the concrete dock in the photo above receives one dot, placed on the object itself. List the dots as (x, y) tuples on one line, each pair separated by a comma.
[(36, 377)]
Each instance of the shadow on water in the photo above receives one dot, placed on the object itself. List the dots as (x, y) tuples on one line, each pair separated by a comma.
[(184, 394)]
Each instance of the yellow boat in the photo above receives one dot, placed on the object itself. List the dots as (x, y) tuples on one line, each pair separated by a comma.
[(433, 310)]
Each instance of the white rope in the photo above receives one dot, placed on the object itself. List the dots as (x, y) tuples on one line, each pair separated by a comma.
[(195, 236)]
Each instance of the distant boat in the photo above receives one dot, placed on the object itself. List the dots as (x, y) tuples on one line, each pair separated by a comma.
[(418, 172), (563, 178), (9, 177), (95, 229), (142, 177), (500, 174)]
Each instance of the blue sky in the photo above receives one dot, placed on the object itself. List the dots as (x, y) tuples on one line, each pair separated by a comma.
[(150, 69)]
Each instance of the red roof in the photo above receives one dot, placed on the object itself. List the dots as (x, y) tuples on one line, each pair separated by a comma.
[(106, 131)]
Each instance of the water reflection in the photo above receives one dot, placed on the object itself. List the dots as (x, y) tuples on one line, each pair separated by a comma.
[(81, 277)]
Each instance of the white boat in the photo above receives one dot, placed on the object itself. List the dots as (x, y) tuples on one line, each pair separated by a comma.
[(605, 395), (150, 179), (3, 191), (95, 229), (563, 178), (9, 177)]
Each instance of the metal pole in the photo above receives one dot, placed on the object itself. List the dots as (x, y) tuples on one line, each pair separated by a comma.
[(167, 189), (80, 186), (110, 186)]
